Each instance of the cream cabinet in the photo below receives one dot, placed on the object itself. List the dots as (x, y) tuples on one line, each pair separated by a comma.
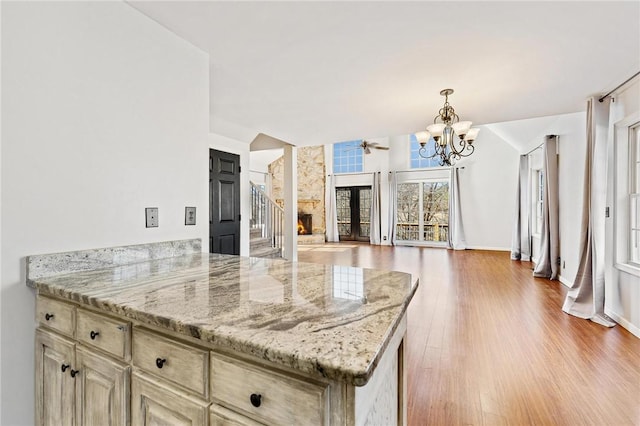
[(81, 376), (98, 369), (55, 388)]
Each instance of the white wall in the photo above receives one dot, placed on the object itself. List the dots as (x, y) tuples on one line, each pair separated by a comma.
[(104, 113), (233, 146), (488, 192)]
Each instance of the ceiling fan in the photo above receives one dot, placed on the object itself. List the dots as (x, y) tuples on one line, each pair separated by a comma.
[(366, 146)]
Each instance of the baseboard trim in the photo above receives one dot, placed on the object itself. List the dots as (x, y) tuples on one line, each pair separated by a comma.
[(624, 323), (565, 281), (489, 248)]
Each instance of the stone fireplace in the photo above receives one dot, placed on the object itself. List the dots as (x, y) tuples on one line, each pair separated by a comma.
[(311, 186)]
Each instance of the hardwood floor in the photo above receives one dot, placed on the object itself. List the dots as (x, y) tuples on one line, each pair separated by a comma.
[(488, 344)]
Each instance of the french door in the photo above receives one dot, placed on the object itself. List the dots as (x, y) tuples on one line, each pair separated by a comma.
[(354, 212), (422, 212)]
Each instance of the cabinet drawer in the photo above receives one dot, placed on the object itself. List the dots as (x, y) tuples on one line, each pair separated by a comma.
[(183, 364), (282, 399), (109, 334), (56, 315)]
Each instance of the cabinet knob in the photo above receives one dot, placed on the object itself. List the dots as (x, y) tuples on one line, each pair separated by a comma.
[(255, 399), (48, 316), (64, 367), (160, 362), (94, 334), (74, 373)]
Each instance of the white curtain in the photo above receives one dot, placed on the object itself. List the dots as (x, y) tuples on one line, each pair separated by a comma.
[(547, 266), (374, 221), (331, 213), (456, 229), (393, 203), (521, 237), (586, 298)]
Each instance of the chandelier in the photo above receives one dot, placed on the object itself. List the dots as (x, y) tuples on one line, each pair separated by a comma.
[(447, 147)]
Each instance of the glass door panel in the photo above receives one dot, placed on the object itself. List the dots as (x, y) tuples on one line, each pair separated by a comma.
[(343, 206), (408, 212), (435, 211), (364, 196)]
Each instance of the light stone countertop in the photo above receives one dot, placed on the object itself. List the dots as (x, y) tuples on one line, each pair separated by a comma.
[(327, 320)]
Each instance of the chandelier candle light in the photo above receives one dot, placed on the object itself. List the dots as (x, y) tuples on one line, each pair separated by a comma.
[(446, 145)]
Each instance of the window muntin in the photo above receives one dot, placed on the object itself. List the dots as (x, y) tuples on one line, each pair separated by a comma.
[(348, 157)]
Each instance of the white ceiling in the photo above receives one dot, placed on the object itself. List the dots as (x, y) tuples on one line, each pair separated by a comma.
[(312, 73)]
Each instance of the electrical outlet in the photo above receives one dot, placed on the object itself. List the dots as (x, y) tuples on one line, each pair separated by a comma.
[(384, 238), (151, 214), (189, 215)]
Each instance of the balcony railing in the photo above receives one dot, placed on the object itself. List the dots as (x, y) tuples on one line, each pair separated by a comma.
[(435, 232)]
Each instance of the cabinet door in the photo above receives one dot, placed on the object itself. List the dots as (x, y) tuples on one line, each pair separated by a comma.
[(220, 416), (102, 390), (55, 392), (157, 404)]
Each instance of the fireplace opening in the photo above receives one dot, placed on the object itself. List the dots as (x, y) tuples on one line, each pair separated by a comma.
[(304, 224)]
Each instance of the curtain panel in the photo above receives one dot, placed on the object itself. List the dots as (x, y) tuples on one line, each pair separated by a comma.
[(374, 221), (332, 234), (547, 266), (457, 239), (521, 237), (586, 298), (393, 201)]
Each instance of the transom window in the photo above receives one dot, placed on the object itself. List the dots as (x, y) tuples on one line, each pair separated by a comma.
[(347, 157), (418, 161)]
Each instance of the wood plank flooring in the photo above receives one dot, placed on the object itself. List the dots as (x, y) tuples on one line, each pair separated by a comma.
[(488, 344)]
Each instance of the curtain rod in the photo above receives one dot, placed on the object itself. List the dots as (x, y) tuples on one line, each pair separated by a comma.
[(426, 170), (537, 147), (353, 174), (619, 86)]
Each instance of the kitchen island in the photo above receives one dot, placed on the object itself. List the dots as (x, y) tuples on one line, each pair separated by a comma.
[(198, 338)]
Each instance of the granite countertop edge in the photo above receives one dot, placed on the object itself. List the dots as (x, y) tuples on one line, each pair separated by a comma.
[(306, 365)]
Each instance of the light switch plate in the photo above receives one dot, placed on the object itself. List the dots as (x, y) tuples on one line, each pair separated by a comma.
[(189, 215), (152, 217)]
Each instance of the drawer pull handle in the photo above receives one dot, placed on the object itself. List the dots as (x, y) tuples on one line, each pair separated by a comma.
[(255, 399), (160, 362), (94, 334), (64, 367), (74, 373), (48, 316)]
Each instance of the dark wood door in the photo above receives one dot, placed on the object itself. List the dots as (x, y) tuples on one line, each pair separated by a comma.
[(224, 202), (354, 213)]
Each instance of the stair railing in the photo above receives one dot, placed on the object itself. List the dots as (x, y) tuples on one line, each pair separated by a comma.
[(267, 216)]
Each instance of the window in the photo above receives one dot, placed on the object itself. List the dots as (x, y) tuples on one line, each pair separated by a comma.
[(347, 157), (626, 170), (418, 161), (634, 196), (536, 205), (423, 211)]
